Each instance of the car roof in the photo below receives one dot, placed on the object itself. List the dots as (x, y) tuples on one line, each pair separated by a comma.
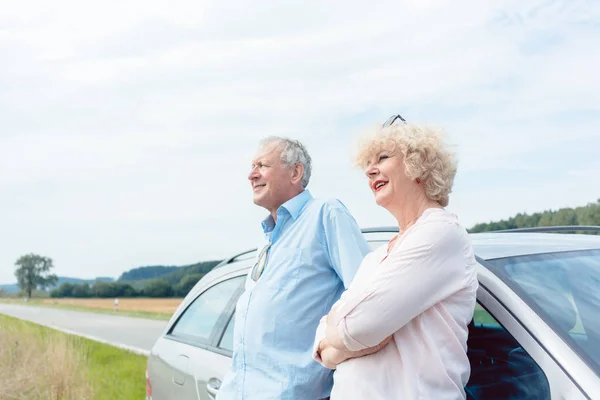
[(523, 241), (490, 245)]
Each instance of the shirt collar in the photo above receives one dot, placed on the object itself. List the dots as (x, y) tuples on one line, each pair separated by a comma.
[(293, 206)]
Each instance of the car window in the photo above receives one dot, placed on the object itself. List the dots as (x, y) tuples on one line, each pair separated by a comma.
[(500, 367), (227, 339), (199, 320), (481, 316), (564, 290)]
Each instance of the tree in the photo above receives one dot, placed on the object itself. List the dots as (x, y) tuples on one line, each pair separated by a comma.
[(82, 291), (158, 288), (105, 289), (129, 291), (64, 290), (112, 289), (186, 284), (33, 271), (586, 215)]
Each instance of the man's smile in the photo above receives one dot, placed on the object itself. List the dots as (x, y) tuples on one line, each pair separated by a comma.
[(258, 187)]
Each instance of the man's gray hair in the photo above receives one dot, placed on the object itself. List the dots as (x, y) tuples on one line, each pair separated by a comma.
[(292, 152)]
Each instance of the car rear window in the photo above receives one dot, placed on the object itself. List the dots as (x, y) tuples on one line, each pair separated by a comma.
[(199, 321)]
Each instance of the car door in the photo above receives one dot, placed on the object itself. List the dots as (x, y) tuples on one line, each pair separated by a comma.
[(508, 362), (500, 367), (216, 375), (192, 357)]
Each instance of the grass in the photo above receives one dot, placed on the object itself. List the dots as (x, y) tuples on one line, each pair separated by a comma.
[(481, 316), (99, 307), (39, 363)]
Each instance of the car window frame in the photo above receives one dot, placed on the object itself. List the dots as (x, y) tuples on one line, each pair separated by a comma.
[(219, 328), (222, 350)]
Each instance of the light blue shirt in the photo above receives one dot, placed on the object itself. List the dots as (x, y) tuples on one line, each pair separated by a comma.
[(316, 248)]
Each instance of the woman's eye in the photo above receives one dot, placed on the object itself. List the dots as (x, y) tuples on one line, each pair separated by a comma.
[(383, 157)]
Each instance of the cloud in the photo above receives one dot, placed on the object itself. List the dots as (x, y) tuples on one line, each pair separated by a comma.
[(127, 127)]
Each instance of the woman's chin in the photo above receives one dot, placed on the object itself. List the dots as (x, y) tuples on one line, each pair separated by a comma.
[(381, 201)]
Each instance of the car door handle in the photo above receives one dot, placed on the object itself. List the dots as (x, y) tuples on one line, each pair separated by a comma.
[(213, 386)]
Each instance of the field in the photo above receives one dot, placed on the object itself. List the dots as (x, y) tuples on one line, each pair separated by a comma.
[(38, 363), (133, 307), (166, 306)]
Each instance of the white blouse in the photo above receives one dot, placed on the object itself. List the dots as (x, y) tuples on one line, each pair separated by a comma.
[(422, 293)]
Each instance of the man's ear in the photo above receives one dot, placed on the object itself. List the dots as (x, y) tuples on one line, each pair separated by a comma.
[(297, 173)]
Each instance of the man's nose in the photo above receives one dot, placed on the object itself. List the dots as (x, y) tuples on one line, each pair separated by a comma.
[(253, 174)]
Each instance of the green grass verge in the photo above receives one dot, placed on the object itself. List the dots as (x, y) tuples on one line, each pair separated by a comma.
[(112, 373), (126, 313), (115, 373)]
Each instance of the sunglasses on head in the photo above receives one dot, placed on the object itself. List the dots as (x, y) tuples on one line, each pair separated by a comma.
[(393, 119)]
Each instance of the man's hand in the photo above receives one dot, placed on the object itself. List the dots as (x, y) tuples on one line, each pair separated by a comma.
[(333, 357)]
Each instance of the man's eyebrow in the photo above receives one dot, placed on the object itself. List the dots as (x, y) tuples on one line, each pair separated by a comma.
[(258, 161)]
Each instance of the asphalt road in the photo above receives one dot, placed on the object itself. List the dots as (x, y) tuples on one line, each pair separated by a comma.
[(137, 334)]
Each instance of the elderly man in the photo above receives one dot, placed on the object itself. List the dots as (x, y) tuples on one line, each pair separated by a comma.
[(309, 255)]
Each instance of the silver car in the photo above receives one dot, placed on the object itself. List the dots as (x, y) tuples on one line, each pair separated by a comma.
[(535, 332)]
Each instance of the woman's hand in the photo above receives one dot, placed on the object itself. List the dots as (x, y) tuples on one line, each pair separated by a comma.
[(333, 357)]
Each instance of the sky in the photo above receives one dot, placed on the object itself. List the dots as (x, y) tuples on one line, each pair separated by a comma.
[(127, 127)]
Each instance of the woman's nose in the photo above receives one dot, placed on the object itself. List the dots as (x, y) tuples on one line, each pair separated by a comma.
[(371, 171)]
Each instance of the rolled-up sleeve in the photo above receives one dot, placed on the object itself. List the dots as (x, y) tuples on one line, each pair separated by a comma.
[(426, 267), (344, 244)]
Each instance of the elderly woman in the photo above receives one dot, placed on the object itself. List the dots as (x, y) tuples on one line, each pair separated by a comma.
[(400, 330)]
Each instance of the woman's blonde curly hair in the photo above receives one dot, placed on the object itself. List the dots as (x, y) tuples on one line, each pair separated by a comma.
[(425, 155)]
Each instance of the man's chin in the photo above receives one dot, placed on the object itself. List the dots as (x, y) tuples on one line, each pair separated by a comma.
[(258, 200)]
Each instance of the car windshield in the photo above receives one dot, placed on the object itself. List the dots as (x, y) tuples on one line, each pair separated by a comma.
[(564, 288)]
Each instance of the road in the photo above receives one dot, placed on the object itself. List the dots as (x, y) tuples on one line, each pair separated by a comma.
[(136, 334)]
